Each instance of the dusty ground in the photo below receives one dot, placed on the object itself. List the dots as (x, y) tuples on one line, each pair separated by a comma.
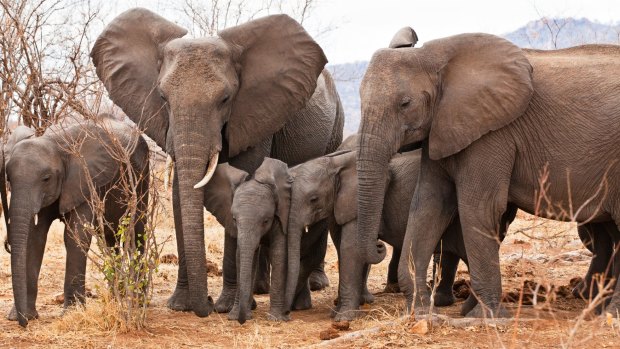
[(552, 323)]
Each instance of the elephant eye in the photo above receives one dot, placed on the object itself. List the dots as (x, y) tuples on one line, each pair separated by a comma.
[(314, 200), (46, 178), (405, 103), (265, 221), (234, 221), (225, 99)]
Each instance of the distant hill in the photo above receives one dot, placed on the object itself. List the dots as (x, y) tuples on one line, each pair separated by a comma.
[(540, 34)]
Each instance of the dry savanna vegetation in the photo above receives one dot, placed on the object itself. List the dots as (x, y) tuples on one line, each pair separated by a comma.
[(46, 76)]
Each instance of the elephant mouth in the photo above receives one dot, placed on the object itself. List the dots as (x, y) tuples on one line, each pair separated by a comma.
[(210, 171)]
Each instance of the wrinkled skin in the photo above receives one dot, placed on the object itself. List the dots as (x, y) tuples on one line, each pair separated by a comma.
[(45, 185), (255, 90), (490, 119)]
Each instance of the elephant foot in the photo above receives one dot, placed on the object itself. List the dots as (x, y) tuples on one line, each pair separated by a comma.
[(367, 297), (278, 316), (391, 287), (235, 315), (261, 286), (444, 299), (486, 312), (226, 300), (31, 314), (469, 304), (179, 301), (303, 300), (204, 308), (318, 280)]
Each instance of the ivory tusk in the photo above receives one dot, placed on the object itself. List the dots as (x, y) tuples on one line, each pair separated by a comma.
[(210, 171), (167, 172), (36, 218), (306, 228)]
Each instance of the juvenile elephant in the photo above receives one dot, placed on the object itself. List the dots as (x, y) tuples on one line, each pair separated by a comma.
[(490, 118), (256, 211), (255, 90), (49, 178)]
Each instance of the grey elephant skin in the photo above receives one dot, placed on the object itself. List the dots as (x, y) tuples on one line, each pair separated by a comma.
[(490, 119), (326, 188), (255, 90), (48, 180)]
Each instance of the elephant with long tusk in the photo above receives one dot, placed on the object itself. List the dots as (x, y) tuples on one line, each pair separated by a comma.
[(254, 90)]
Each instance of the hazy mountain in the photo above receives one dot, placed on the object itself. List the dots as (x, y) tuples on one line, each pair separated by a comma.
[(540, 34)]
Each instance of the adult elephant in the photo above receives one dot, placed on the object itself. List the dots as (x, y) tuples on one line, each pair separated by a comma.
[(255, 90), (49, 177), (490, 119)]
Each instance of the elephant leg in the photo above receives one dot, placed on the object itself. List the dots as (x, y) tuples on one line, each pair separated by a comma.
[(278, 257), (77, 242), (351, 274), (366, 297), (318, 279), (226, 300), (448, 264), (596, 239), (36, 248), (313, 257), (261, 285), (392, 279), (335, 232), (432, 209), (179, 300)]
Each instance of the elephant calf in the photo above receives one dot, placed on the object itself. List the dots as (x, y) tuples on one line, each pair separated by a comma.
[(49, 177), (256, 210)]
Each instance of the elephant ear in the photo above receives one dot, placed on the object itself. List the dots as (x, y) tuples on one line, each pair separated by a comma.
[(486, 84), (274, 173), (127, 55), (405, 37), (87, 159), (345, 203), (279, 67), (19, 134), (219, 194)]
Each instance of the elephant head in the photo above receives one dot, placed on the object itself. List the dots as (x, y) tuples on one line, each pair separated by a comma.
[(323, 188), (200, 97), (52, 170), (444, 96), (260, 207)]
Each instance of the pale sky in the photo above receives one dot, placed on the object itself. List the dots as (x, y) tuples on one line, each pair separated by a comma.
[(364, 26), (360, 27)]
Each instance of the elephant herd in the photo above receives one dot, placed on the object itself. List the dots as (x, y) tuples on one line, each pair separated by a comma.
[(453, 139)]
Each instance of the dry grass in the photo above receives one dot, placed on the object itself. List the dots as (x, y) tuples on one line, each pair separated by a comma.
[(524, 258)]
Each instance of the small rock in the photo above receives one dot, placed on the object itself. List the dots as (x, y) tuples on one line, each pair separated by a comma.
[(340, 325), (420, 327), (328, 334), (59, 298), (169, 258)]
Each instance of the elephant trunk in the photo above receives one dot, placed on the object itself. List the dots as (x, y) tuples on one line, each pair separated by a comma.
[(193, 149), (295, 231), (21, 220), (373, 157), (248, 253)]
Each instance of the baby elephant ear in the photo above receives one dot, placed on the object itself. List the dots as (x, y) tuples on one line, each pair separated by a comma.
[(275, 174), (345, 203), (219, 192), (405, 37), (19, 134), (89, 158)]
